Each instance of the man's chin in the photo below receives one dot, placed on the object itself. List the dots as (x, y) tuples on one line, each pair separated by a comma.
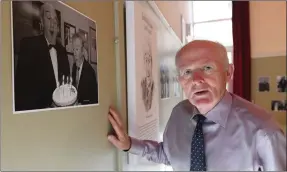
[(201, 102)]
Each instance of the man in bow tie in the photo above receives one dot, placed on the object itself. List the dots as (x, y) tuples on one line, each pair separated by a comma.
[(41, 64)]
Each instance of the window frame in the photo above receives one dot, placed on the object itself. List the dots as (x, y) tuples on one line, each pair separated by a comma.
[(229, 86)]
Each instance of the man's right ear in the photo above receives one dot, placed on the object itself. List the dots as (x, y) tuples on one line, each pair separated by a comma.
[(230, 71)]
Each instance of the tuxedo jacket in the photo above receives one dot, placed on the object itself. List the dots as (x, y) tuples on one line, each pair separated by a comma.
[(34, 75), (88, 85)]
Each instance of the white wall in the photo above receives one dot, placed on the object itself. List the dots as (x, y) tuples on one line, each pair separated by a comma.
[(172, 10)]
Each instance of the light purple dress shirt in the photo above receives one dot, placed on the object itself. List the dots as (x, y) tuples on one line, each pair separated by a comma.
[(238, 136)]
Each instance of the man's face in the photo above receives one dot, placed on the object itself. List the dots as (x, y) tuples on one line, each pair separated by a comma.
[(209, 75), (148, 64), (49, 21), (77, 49)]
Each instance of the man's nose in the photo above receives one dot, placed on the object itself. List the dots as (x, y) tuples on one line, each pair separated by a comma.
[(52, 22), (197, 76)]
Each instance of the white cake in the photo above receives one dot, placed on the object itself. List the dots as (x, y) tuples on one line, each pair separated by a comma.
[(65, 95)]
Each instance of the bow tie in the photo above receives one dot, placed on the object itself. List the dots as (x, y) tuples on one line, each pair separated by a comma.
[(51, 46)]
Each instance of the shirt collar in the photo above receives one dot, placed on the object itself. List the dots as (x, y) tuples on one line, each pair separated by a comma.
[(81, 66), (48, 43), (220, 112)]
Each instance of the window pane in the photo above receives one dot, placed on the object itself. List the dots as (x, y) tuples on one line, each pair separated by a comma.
[(230, 58), (211, 10), (220, 31)]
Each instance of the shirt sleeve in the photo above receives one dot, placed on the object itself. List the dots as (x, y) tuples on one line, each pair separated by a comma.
[(272, 151), (151, 150)]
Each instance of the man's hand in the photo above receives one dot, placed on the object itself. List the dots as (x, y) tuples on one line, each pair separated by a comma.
[(121, 140)]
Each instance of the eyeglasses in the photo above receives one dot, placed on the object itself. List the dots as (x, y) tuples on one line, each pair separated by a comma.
[(187, 73)]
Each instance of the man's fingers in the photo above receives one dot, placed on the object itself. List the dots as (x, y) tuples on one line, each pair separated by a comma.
[(116, 116), (114, 141), (116, 127)]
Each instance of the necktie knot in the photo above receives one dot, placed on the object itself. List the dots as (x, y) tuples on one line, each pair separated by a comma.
[(199, 118), (51, 46)]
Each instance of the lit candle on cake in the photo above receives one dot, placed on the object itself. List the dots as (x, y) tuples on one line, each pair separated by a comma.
[(71, 82), (62, 92)]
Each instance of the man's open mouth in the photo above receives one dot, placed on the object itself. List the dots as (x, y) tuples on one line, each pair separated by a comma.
[(201, 92)]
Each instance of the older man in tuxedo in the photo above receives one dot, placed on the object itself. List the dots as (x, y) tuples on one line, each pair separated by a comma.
[(42, 63), (84, 77)]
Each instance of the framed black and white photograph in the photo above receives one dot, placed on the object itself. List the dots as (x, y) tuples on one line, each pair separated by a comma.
[(176, 85), (278, 105), (164, 82), (263, 84), (93, 46), (281, 83), (51, 57)]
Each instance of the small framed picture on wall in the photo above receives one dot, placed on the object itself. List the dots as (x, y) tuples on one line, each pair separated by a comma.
[(69, 31), (278, 105), (263, 84), (281, 83)]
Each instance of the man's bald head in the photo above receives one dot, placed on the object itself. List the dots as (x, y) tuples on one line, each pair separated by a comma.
[(198, 47)]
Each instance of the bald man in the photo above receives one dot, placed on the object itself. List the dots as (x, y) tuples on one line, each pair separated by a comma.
[(41, 65), (213, 129)]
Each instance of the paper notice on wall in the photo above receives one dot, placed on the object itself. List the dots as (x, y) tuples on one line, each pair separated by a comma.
[(148, 130), (143, 64), (147, 97)]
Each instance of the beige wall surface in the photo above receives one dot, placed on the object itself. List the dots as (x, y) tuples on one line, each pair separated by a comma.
[(269, 67), (69, 139), (268, 28), (268, 51), (73, 139), (172, 11)]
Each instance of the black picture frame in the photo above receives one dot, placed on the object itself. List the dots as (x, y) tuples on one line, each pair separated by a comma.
[(93, 46), (71, 29)]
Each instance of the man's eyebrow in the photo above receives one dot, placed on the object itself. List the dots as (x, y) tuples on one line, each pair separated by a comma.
[(209, 62)]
